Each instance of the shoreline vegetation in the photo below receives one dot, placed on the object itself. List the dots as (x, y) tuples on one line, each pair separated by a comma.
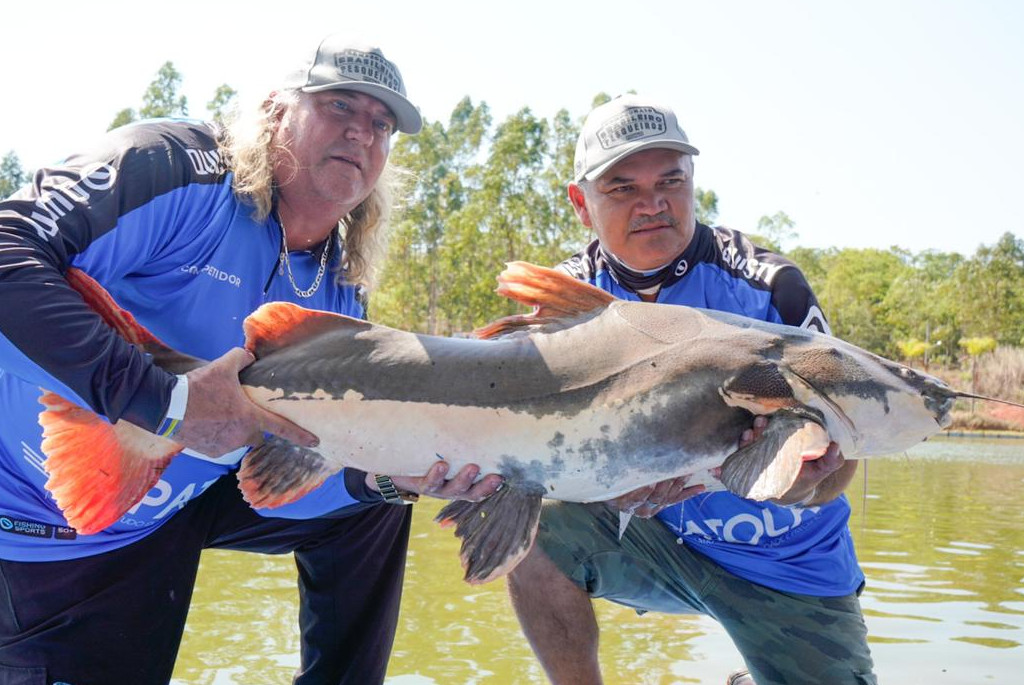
[(998, 373)]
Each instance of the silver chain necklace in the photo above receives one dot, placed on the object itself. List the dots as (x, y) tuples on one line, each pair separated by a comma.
[(286, 262)]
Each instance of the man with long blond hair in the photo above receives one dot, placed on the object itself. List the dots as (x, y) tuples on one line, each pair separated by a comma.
[(191, 228)]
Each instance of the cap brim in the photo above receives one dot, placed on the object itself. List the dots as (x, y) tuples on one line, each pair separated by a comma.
[(670, 144), (406, 115)]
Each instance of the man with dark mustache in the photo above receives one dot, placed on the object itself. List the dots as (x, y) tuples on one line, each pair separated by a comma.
[(781, 577)]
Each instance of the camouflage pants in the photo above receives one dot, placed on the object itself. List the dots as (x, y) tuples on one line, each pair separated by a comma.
[(785, 639)]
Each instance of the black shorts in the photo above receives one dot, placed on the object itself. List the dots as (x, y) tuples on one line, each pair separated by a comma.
[(118, 617)]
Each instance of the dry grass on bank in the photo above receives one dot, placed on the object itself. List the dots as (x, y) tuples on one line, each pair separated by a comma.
[(1000, 374)]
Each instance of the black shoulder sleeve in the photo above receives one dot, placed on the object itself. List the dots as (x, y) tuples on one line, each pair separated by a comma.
[(583, 264), (50, 333), (791, 294), (795, 301)]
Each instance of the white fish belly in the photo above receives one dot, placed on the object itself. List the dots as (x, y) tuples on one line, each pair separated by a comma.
[(405, 438)]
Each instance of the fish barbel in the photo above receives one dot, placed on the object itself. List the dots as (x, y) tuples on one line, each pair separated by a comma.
[(585, 399)]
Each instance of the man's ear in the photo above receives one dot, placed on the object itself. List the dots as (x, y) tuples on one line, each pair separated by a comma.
[(579, 203)]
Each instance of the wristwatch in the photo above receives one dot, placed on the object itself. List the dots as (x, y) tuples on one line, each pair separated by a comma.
[(391, 494)]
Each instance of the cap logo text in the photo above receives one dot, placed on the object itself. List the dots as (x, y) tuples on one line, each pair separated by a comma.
[(632, 124), (366, 66)]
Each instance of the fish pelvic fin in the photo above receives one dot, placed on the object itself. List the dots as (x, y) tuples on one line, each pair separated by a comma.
[(555, 295), (281, 324), (768, 467), (496, 533), (126, 326), (279, 472), (97, 470)]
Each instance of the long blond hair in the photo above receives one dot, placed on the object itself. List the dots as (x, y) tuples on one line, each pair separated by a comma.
[(245, 146)]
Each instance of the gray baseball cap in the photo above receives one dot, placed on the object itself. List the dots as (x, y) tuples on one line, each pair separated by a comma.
[(622, 126), (345, 63)]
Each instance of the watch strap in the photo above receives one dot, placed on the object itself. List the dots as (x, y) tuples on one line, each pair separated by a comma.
[(391, 493)]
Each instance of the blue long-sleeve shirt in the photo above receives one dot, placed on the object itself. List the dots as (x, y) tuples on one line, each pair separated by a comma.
[(150, 214), (807, 551)]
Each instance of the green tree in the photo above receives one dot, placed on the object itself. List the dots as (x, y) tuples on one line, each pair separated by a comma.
[(161, 99), (920, 303), (855, 285), (774, 231), (989, 291), (705, 206), (477, 201), (440, 163), (12, 176), (500, 221), (912, 349), (223, 100)]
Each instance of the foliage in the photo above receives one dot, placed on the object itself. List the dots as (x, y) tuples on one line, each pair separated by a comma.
[(775, 231), (705, 206), (989, 291), (161, 99), (12, 176), (223, 100), (976, 347), (478, 200), (912, 349)]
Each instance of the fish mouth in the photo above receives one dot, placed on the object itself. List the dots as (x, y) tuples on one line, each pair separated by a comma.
[(940, 405)]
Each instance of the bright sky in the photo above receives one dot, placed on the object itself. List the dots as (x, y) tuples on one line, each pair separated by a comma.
[(871, 123)]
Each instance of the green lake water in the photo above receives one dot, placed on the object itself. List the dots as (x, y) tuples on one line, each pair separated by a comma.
[(939, 532)]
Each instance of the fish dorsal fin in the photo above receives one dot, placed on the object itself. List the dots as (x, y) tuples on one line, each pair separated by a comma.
[(558, 298), (281, 324)]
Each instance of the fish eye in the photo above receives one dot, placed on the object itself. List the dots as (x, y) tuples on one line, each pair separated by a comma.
[(908, 373)]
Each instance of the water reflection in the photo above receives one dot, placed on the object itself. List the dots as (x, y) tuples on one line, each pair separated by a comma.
[(940, 534)]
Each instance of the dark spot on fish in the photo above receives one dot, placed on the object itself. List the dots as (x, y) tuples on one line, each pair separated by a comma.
[(493, 384), (530, 475), (557, 441), (654, 365)]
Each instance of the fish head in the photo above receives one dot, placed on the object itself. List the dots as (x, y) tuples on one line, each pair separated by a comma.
[(936, 398), (871, 405)]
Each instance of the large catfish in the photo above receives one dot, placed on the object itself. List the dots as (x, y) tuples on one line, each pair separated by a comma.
[(584, 399)]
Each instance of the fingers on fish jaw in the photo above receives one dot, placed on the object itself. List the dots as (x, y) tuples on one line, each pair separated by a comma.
[(767, 468), (97, 470), (279, 472), (496, 533)]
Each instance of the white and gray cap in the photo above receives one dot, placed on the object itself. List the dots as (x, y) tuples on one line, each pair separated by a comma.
[(622, 126), (345, 63)]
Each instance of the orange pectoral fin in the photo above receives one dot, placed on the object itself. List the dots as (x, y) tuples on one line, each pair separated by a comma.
[(97, 470)]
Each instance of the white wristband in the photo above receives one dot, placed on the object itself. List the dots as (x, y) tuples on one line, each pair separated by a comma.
[(175, 409)]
